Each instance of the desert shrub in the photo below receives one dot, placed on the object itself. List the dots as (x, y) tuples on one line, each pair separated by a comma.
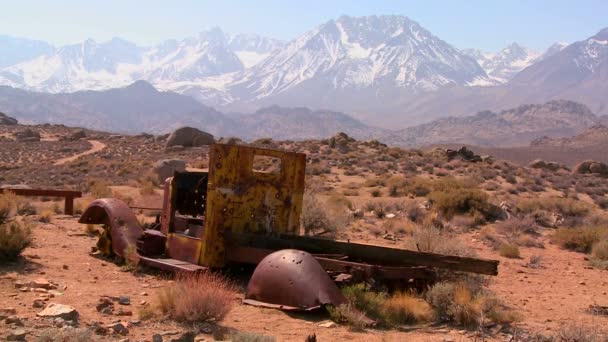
[(579, 239), (14, 238), (318, 218), (348, 314), (600, 249), (405, 308), (99, 189), (376, 193), (452, 201), (46, 216), (414, 212), (508, 250), (147, 188), (578, 333), (245, 336), (370, 302), (24, 207), (431, 239), (565, 206), (602, 202), (7, 200), (465, 305), (196, 298), (517, 226)]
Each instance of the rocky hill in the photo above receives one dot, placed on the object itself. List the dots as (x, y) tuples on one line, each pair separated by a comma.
[(511, 127)]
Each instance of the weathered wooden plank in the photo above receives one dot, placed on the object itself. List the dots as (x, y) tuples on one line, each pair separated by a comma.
[(358, 252), (69, 196)]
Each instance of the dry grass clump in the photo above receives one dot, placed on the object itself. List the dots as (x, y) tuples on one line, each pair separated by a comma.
[(508, 250), (14, 238), (400, 308), (196, 298), (579, 333), (147, 187), (405, 308), (66, 335), (24, 207), (99, 188), (350, 315), (46, 216)]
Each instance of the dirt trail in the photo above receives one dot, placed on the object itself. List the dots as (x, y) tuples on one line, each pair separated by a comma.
[(96, 146)]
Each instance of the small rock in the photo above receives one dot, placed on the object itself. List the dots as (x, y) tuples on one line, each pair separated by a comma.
[(42, 283), (122, 312), (327, 324), (54, 310), (38, 303), (124, 300), (65, 267), (186, 337), (119, 328), (16, 335), (14, 320), (8, 311), (390, 216), (157, 338), (582, 283)]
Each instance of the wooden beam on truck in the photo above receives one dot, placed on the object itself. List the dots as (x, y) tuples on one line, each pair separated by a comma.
[(357, 252)]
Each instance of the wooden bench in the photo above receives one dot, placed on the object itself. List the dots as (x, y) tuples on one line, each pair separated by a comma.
[(69, 196)]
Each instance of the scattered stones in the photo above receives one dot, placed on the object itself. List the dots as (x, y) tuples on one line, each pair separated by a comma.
[(54, 310)]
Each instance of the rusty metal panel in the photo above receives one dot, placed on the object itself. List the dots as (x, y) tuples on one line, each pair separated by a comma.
[(240, 199), (184, 248)]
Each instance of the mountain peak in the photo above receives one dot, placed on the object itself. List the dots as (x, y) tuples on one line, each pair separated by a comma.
[(141, 86), (602, 34)]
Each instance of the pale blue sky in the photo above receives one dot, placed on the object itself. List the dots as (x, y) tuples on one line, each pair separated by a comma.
[(488, 24)]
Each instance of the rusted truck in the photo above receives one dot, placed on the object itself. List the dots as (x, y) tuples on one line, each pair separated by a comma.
[(236, 214)]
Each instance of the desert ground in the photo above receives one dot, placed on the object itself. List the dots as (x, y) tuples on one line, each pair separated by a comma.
[(546, 223)]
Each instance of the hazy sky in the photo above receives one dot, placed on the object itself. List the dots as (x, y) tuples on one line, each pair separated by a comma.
[(489, 24)]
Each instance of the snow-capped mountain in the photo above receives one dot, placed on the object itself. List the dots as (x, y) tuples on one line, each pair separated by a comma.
[(553, 49), (252, 49), (15, 50), (503, 65), (377, 55), (96, 66)]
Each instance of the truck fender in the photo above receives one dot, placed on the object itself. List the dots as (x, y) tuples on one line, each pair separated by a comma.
[(121, 225)]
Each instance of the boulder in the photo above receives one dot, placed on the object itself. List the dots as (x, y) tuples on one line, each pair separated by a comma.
[(592, 166), (545, 165), (7, 120), (189, 137), (167, 167), (27, 135), (77, 135), (54, 310)]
